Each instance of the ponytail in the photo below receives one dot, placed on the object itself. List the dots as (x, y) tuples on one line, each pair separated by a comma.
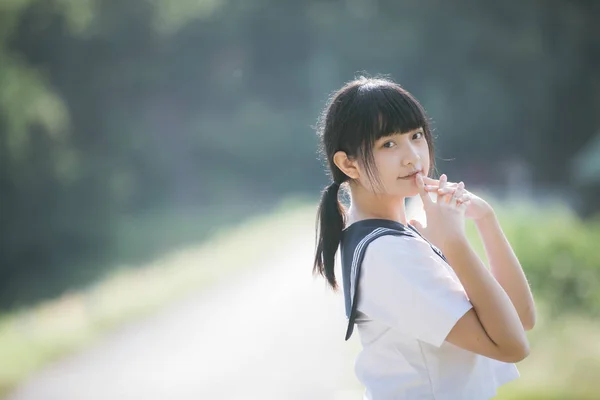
[(330, 223)]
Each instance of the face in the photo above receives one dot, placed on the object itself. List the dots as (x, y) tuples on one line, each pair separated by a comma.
[(398, 157)]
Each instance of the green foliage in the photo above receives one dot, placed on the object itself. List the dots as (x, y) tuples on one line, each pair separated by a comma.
[(112, 111), (26, 99), (559, 252)]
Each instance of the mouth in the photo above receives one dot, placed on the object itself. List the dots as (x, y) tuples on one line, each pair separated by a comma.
[(410, 176)]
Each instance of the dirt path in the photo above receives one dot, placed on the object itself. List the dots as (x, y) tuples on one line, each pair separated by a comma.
[(273, 333)]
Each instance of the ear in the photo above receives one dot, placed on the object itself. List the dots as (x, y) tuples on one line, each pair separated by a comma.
[(346, 165)]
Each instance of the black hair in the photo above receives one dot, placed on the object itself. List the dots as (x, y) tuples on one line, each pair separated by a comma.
[(356, 116)]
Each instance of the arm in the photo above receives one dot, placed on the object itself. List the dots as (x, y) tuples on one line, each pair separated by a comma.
[(505, 267), (492, 328)]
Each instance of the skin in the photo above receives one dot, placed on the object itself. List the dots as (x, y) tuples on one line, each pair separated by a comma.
[(503, 306), (395, 156), (504, 264)]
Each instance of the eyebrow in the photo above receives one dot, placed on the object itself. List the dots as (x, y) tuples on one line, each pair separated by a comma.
[(418, 130)]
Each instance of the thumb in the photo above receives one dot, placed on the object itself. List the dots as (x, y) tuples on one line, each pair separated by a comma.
[(422, 192)]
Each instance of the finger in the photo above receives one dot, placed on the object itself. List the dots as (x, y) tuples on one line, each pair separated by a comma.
[(431, 188), (422, 192), (431, 181), (448, 198), (464, 205), (446, 190), (457, 193), (453, 197), (463, 199), (445, 195), (442, 185), (460, 191), (436, 182), (435, 186)]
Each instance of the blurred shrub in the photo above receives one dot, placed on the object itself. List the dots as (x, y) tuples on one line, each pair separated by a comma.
[(559, 252)]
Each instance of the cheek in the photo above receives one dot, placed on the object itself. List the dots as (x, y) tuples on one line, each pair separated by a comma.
[(388, 166), (426, 164), (385, 174)]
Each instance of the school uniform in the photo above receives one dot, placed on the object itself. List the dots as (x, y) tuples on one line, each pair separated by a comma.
[(404, 299)]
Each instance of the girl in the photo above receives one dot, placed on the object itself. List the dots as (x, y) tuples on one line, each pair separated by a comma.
[(433, 321)]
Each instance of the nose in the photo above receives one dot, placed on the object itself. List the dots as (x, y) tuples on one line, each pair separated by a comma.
[(411, 156)]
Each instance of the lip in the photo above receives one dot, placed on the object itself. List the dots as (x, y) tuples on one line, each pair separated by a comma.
[(412, 175)]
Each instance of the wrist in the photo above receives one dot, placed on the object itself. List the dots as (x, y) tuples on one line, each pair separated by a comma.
[(486, 218)]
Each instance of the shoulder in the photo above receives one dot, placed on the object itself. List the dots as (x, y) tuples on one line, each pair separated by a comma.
[(399, 246), (409, 256)]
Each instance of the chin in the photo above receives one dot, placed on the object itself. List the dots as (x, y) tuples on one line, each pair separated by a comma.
[(411, 193), (409, 190), (401, 194)]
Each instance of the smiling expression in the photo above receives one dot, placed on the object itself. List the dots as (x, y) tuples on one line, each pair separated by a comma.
[(398, 158)]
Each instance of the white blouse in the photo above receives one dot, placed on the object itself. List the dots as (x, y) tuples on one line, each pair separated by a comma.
[(409, 301)]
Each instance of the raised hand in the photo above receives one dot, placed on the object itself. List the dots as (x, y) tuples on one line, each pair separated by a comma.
[(477, 208), (446, 216)]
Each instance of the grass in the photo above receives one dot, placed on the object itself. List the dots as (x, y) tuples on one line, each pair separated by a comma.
[(564, 362), (33, 337)]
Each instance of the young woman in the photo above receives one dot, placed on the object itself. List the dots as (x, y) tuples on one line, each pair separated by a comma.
[(433, 321)]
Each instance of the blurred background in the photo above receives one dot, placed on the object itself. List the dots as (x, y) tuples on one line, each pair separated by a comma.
[(158, 152)]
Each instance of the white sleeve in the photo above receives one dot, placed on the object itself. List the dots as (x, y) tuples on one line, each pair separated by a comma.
[(405, 285)]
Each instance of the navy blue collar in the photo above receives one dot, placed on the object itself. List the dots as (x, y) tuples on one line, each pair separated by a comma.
[(379, 223)]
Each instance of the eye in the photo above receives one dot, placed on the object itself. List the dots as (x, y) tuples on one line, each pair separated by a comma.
[(418, 135), (389, 144)]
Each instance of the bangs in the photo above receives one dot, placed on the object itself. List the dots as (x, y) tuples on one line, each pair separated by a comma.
[(382, 110), (376, 108)]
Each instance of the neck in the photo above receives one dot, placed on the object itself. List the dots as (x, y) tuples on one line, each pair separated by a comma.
[(365, 205)]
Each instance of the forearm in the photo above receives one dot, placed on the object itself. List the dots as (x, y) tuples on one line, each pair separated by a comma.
[(506, 269), (491, 303)]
